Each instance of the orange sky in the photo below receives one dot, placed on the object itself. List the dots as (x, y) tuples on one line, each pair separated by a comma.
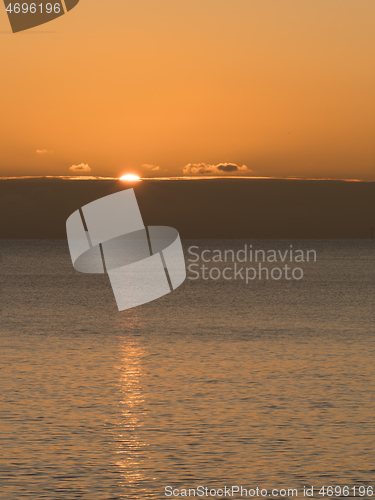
[(285, 87)]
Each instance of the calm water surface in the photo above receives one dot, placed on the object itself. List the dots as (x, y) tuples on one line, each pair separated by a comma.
[(269, 384)]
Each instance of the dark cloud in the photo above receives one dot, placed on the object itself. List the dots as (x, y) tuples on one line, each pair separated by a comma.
[(38, 208), (227, 168), (219, 169)]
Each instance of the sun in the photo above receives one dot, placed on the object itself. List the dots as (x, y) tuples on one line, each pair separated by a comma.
[(130, 177)]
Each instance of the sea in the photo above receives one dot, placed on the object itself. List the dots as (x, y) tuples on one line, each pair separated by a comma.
[(266, 385)]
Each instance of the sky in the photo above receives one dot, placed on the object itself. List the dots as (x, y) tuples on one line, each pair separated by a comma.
[(246, 87)]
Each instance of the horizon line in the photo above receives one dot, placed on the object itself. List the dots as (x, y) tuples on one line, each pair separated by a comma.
[(182, 178)]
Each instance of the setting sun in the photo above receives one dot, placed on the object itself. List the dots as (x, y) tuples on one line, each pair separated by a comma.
[(130, 177)]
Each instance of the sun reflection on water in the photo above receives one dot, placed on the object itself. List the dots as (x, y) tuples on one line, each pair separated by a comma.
[(131, 447)]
